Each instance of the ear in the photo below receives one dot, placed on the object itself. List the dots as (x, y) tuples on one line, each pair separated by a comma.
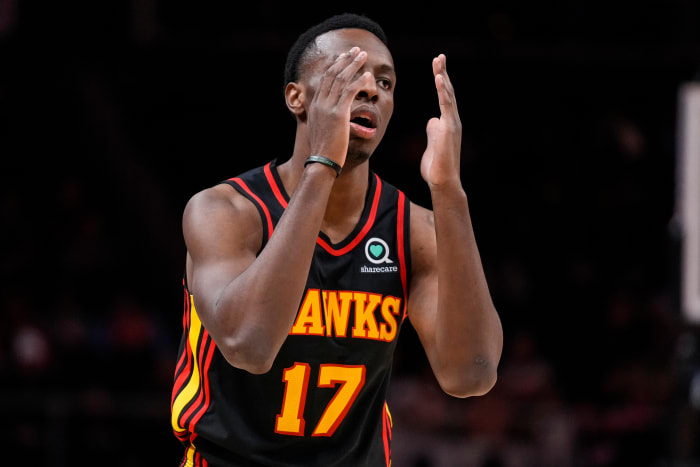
[(295, 95)]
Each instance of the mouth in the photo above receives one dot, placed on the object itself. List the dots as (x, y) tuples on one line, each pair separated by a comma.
[(363, 124)]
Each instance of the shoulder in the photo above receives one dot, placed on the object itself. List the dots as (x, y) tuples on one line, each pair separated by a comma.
[(219, 212), (218, 199)]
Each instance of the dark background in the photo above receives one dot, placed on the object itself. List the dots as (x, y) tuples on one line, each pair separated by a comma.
[(112, 114)]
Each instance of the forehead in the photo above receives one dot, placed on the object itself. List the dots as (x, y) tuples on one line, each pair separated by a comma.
[(333, 43)]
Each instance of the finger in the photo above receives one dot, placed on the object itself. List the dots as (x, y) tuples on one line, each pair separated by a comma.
[(446, 95), (340, 62), (446, 99), (355, 86), (436, 65), (443, 97), (349, 74), (446, 75), (440, 68), (347, 94)]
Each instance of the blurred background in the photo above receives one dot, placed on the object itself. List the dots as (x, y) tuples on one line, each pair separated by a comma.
[(114, 113)]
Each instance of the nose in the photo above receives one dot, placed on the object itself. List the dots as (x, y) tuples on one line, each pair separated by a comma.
[(368, 91)]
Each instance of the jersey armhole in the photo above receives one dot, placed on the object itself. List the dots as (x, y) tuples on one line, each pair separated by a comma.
[(241, 187)]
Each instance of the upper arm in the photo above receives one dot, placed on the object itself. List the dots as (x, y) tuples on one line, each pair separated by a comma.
[(423, 296), (223, 233)]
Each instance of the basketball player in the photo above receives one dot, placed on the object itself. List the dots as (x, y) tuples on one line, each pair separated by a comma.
[(300, 275)]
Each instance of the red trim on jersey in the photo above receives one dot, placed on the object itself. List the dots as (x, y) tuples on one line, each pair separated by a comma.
[(273, 184), (402, 256), (204, 380), (366, 228), (243, 185), (195, 404), (199, 407), (199, 460), (325, 245), (180, 381), (386, 435)]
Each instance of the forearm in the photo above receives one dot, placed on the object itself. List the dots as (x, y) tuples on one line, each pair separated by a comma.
[(468, 331), (259, 306)]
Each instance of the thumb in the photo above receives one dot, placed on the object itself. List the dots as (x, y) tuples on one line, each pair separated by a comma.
[(431, 129)]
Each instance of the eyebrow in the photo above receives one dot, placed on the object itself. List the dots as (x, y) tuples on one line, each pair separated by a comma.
[(386, 68)]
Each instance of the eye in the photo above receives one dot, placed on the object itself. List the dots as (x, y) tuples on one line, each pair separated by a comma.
[(385, 83)]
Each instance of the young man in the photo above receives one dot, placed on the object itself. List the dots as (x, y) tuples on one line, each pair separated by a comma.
[(299, 276)]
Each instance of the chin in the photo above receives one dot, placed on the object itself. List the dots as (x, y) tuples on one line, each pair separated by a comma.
[(357, 157), (358, 153)]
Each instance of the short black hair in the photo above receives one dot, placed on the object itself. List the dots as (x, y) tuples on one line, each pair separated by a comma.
[(306, 39)]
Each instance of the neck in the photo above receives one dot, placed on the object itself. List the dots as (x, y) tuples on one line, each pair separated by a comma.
[(347, 198)]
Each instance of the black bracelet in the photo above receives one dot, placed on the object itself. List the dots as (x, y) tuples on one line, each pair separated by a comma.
[(325, 161)]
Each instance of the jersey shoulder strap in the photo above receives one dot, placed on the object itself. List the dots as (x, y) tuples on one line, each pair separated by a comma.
[(254, 186)]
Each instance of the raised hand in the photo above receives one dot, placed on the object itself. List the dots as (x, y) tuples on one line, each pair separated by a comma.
[(329, 111), (440, 163)]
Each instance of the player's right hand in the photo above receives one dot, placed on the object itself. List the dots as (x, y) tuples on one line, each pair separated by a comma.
[(329, 110)]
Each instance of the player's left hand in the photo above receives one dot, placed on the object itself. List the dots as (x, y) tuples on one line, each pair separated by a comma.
[(440, 164)]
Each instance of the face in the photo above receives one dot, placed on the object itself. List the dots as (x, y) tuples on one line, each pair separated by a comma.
[(374, 103)]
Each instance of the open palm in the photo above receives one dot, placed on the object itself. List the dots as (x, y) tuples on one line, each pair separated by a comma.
[(440, 162)]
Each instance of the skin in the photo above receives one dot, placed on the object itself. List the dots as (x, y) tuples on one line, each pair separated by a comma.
[(449, 306)]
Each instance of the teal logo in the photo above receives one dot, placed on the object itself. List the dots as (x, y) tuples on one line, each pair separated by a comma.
[(377, 251)]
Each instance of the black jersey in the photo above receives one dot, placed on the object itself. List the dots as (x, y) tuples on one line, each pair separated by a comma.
[(324, 400)]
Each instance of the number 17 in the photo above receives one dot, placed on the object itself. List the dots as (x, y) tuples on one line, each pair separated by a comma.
[(291, 421)]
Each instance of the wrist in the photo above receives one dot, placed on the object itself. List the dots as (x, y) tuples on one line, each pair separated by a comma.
[(322, 170), (322, 160), (453, 185)]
